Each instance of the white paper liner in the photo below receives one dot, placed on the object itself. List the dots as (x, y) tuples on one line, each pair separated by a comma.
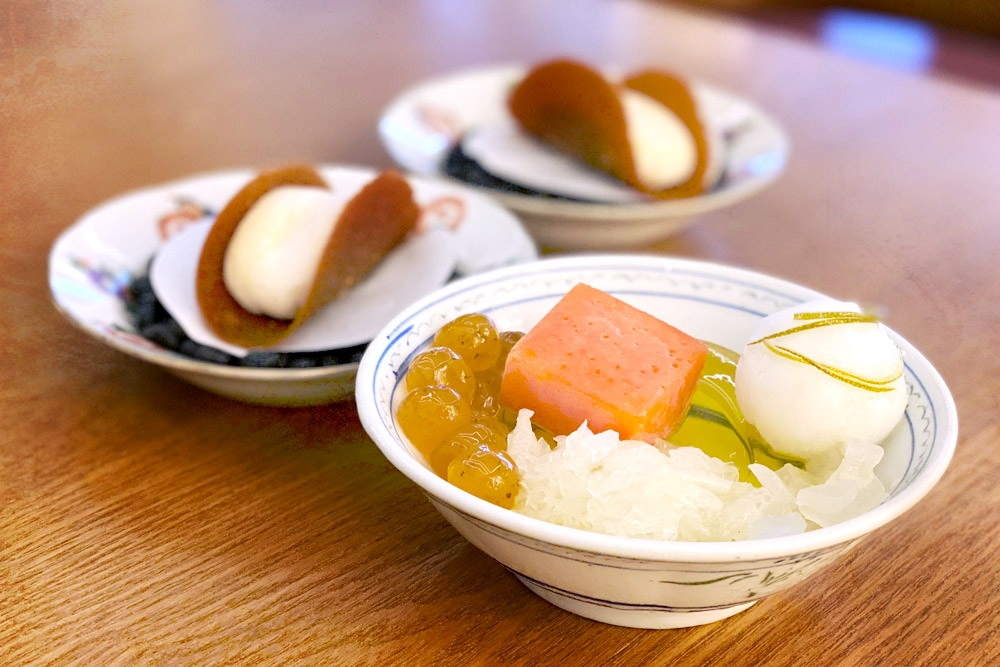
[(417, 267), (502, 149)]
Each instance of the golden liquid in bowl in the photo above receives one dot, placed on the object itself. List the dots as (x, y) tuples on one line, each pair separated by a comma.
[(714, 423)]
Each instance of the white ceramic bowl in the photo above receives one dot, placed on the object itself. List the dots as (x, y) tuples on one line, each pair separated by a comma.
[(93, 261), (419, 127), (635, 582)]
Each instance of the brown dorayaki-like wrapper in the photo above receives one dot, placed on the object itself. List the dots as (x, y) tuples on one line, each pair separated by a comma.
[(371, 224), (576, 110)]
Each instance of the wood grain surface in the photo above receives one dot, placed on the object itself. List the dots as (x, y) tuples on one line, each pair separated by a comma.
[(146, 522)]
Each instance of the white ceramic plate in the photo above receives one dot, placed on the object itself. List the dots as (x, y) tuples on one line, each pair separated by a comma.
[(628, 581), (420, 126), (94, 260)]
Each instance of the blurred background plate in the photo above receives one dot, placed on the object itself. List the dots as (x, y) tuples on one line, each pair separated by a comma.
[(421, 125)]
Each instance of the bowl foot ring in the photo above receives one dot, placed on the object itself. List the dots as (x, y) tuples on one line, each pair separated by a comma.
[(650, 616)]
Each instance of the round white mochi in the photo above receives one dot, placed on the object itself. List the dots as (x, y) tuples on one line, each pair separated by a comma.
[(663, 149), (802, 411), (272, 257)]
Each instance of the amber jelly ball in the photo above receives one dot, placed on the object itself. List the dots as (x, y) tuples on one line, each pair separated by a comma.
[(427, 414), (440, 365), (485, 474), (474, 337)]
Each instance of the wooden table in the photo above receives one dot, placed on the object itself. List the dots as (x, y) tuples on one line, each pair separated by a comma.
[(145, 522)]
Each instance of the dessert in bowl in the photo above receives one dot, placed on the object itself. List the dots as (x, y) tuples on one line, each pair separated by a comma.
[(632, 581)]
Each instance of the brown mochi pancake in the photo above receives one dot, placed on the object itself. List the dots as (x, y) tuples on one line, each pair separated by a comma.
[(576, 110), (371, 224)]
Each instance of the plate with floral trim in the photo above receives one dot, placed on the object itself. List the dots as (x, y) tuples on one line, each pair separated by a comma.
[(94, 262)]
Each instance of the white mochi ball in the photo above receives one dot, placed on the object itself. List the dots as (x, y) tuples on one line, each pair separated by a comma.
[(804, 411)]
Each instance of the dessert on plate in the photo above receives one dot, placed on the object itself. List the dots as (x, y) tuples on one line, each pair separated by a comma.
[(286, 245), (282, 249), (574, 133)]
